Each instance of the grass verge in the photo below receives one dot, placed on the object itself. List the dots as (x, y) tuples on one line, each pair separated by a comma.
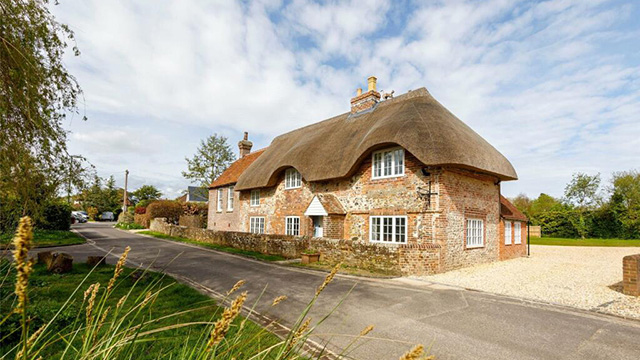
[(251, 254), (132, 226), (48, 292), (47, 238), (585, 242), (350, 270)]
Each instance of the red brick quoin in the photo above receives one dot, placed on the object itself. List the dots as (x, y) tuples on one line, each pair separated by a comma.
[(631, 274)]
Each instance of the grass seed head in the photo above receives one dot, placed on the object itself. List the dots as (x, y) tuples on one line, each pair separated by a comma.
[(235, 287), (221, 327), (366, 330), (278, 300), (328, 279), (22, 242), (416, 353), (92, 299), (118, 270)]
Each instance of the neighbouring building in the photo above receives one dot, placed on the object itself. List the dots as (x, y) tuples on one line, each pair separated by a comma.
[(194, 194), (394, 171)]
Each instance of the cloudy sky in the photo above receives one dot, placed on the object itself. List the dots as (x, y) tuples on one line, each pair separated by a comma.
[(553, 85)]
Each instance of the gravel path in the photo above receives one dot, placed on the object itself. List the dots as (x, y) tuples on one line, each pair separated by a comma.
[(583, 277)]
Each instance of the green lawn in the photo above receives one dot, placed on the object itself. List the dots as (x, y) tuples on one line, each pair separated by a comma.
[(46, 238), (247, 253), (585, 242), (48, 292)]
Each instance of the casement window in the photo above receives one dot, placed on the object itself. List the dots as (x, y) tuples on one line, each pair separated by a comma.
[(230, 199), (475, 233), (292, 179), (388, 163), (256, 225), (388, 229), (255, 197), (517, 232), (507, 232), (219, 207), (292, 225)]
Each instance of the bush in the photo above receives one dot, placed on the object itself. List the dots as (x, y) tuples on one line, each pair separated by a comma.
[(55, 216), (142, 220), (92, 212), (171, 210), (558, 223), (125, 218), (140, 210)]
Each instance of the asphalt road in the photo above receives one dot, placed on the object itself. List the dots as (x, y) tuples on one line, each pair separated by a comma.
[(458, 324)]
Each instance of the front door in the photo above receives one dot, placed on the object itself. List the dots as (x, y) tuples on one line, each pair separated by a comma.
[(317, 226)]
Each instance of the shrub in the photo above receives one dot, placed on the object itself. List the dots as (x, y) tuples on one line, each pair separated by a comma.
[(140, 210), (125, 218), (55, 216), (92, 212), (171, 210), (142, 220)]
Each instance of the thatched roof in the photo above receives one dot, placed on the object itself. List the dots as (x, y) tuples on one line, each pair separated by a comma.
[(335, 147)]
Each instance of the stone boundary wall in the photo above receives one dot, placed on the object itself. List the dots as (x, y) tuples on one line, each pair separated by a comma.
[(409, 259)]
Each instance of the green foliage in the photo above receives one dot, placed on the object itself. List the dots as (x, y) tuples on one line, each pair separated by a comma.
[(55, 217), (146, 193), (46, 238), (212, 157), (169, 209), (608, 242), (129, 226), (102, 195), (125, 218)]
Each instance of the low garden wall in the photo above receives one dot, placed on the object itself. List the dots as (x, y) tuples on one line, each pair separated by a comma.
[(390, 259)]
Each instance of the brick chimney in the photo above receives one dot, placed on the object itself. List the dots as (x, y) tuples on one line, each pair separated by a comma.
[(245, 145), (367, 100)]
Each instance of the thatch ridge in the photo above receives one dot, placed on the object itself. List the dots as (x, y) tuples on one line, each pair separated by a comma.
[(334, 148)]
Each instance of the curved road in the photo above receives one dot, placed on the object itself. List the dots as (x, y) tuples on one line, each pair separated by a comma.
[(459, 324)]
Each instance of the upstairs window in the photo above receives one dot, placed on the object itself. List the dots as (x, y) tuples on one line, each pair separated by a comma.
[(475, 233), (517, 232), (507, 232), (388, 229), (292, 179), (292, 225), (255, 197), (230, 199), (388, 163), (219, 207)]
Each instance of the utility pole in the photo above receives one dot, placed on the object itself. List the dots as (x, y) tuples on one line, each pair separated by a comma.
[(124, 200)]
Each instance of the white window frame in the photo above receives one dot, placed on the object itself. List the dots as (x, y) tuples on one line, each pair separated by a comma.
[(507, 232), (255, 197), (475, 233), (377, 232), (290, 226), (517, 233), (220, 199), (230, 195), (395, 168), (256, 224), (292, 179)]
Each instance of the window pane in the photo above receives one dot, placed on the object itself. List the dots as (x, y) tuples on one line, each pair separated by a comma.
[(399, 162), (387, 229), (388, 163), (400, 229)]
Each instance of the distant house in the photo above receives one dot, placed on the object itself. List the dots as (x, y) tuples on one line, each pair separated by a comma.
[(194, 194), (400, 171)]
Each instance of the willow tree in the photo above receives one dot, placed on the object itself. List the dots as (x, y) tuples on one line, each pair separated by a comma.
[(36, 94)]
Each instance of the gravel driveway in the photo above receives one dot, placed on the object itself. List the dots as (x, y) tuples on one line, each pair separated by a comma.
[(583, 277)]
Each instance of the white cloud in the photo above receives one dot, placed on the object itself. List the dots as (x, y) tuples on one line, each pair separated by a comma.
[(553, 85)]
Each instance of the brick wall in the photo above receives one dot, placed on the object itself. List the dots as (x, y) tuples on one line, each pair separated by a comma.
[(631, 275), (514, 250), (225, 220), (389, 259)]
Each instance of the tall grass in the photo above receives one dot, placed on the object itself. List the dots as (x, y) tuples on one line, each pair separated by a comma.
[(110, 328)]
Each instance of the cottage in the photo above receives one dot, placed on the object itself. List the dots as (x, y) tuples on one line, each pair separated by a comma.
[(402, 172)]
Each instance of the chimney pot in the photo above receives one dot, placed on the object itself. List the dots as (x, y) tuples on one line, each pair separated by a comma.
[(372, 83), (245, 145)]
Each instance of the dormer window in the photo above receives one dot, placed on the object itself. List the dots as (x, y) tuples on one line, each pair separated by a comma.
[(387, 163), (292, 179)]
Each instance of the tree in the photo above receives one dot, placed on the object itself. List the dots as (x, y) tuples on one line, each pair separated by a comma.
[(146, 192), (522, 203), (625, 201), (212, 158), (36, 94), (582, 191)]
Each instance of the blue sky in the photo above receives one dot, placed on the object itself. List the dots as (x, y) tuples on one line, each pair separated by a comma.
[(553, 85)]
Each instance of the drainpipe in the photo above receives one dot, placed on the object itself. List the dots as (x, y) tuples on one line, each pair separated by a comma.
[(528, 236)]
